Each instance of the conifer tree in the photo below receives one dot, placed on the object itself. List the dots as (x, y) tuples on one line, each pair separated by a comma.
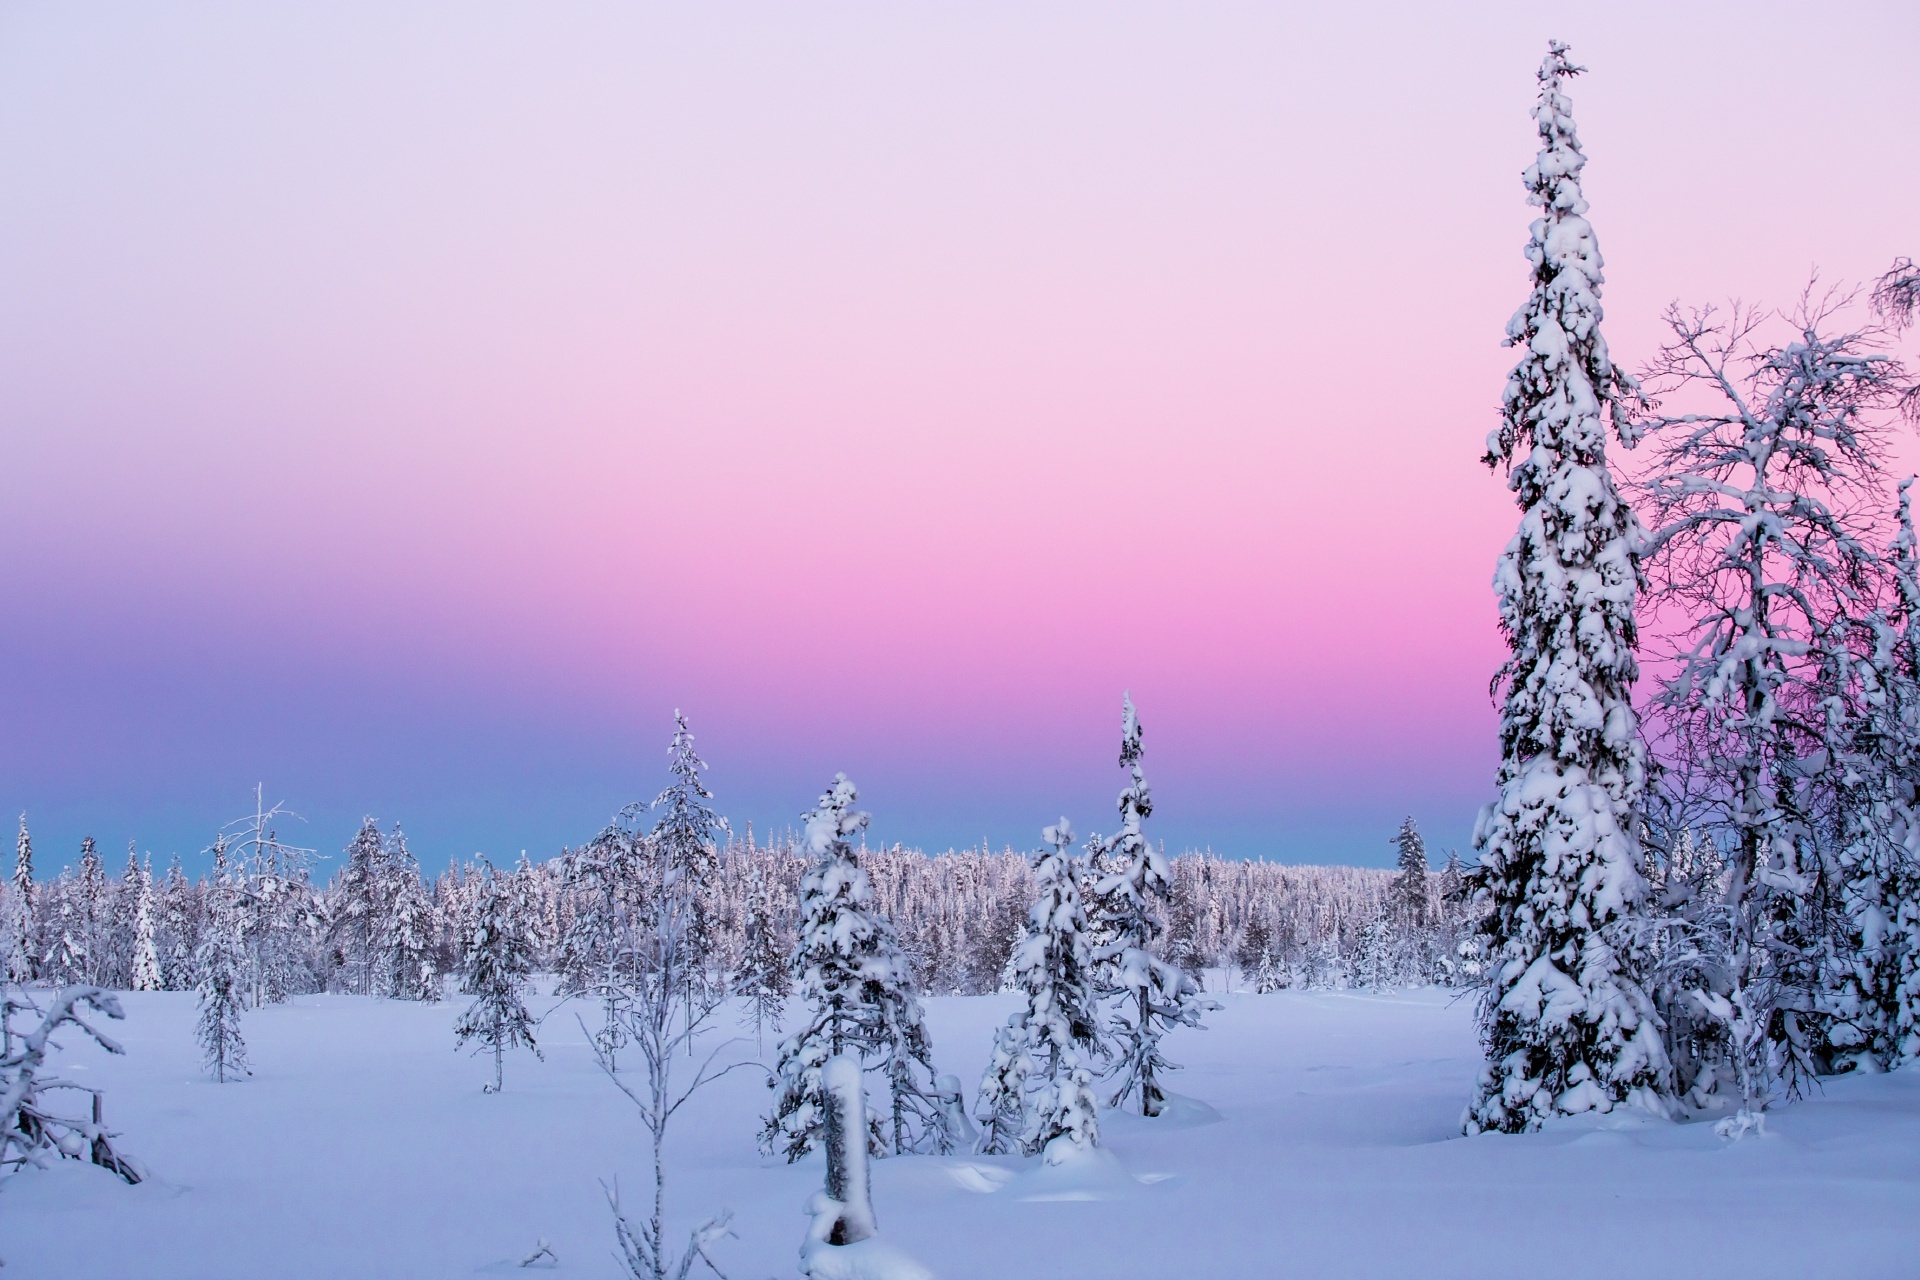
[(91, 926), (1871, 693), (359, 913), (145, 966), (1410, 886), (497, 964), (177, 922), (412, 973), (1565, 1026), (1155, 996), (1040, 1077), (858, 989), (23, 938), (762, 978), (684, 833), (220, 963), (1254, 955)]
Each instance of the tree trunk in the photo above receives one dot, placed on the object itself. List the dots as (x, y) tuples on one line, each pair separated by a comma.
[(846, 1119), (1149, 1090)]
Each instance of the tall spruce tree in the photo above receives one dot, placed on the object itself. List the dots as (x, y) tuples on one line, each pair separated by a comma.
[(360, 909), (94, 914), (1565, 1027), (220, 966), (684, 836), (23, 935), (1154, 996), (144, 967), (1410, 886)]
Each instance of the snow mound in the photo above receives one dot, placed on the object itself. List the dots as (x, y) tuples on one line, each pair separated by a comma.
[(1176, 1112), (981, 1178), (1068, 1172), (869, 1259)]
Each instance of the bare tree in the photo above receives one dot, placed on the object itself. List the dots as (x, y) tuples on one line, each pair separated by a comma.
[(31, 1131), (1766, 496), (666, 1008)]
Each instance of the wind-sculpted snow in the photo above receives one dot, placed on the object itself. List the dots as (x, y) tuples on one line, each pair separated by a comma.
[(363, 1147)]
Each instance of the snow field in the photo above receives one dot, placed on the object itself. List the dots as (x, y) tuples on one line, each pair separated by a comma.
[(363, 1147)]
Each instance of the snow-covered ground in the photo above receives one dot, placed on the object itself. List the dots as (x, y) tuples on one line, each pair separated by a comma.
[(363, 1147)]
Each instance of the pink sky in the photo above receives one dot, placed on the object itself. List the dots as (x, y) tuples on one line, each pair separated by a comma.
[(410, 405)]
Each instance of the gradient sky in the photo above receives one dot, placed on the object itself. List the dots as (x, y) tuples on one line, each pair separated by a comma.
[(407, 406)]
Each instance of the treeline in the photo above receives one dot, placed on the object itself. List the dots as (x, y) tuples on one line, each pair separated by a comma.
[(379, 926)]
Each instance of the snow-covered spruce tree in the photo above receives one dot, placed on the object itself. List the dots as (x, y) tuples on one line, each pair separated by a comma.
[(858, 989), (409, 968), (1060, 1024), (92, 912), (359, 909), (1000, 1105), (685, 835), (179, 929), (23, 937), (1255, 958), (1565, 1026), (1873, 700), (1767, 497), (497, 963), (1154, 996), (761, 977), (145, 966), (220, 968), (528, 901), (1409, 894)]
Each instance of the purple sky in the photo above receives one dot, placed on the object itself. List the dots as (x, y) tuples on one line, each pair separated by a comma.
[(408, 406)]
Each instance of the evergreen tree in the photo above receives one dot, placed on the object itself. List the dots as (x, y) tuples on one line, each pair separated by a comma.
[(684, 834), (359, 909), (858, 989), (1039, 1078), (1155, 996), (1373, 966), (1254, 955), (411, 970), (498, 962), (1873, 1001), (23, 937), (526, 905), (761, 977), (145, 966), (178, 929), (91, 929), (1565, 1027), (221, 985), (1410, 887)]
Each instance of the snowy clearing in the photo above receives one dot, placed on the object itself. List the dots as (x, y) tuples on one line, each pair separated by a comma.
[(363, 1146)]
